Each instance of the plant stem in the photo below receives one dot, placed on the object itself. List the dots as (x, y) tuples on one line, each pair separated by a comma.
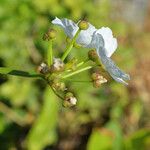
[(76, 72), (50, 53), (56, 93), (82, 81), (82, 62), (10, 71), (69, 47)]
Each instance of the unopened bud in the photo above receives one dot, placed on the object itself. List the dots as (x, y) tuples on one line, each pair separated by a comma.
[(83, 25), (95, 76), (93, 56), (69, 100), (57, 65), (50, 34), (43, 68), (57, 85), (100, 80)]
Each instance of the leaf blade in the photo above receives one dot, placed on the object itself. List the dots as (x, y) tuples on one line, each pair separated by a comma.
[(14, 72)]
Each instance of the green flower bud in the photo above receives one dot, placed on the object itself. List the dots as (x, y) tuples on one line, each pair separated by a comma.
[(93, 56), (83, 25), (69, 94), (95, 76), (49, 35), (57, 85)]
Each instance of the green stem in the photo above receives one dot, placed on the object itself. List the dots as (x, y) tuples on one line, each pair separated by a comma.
[(50, 53), (82, 81), (10, 71), (69, 47), (82, 63), (76, 72), (57, 93)]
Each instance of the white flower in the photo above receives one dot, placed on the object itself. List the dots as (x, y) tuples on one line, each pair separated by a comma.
[(70, 28), (108, 63), (101, 39), (110, 42)]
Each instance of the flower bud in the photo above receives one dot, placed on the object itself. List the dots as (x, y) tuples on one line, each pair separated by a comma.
[(57, 65), (96, 83), (95, 76), (49, 35), (98, 80), (93, 56), (43, 68), (57, 85), (83, 25), (69, 100)]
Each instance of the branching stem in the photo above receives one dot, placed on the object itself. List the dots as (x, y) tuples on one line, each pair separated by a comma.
[(69, 47)]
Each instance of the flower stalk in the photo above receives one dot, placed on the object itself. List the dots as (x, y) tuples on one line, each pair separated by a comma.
[(76, 72), (82, 62), (69, 47), (50, 53)]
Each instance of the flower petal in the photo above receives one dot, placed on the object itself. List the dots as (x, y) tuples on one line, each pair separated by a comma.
[(109, 40), (111, 67), (97, 41), (69, 26), (85, 36)]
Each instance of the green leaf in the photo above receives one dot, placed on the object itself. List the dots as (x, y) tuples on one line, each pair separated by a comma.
[(140, 140), (100, 140), (9, 71), (43, 131), (115, 127)]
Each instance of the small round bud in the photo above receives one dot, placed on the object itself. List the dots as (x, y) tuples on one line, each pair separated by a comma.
[(69, 94), (98, 80), (93, 56), (69, 100), (57, 65), (57, 85), (43, 68), (83, 25), (95, 76), (49, 35)]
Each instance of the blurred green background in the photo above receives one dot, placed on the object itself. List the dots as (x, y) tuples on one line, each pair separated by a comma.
[(113, 117)]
